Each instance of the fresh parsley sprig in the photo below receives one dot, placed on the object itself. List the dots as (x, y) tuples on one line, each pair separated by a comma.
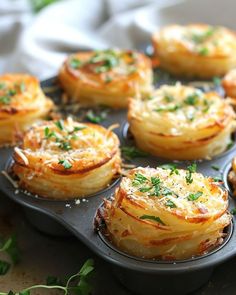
[(190, 170), (10, 247), (78, 283), (93, 118), (173, 168), (131, 152)]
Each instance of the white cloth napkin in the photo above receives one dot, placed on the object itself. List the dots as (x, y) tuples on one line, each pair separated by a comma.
[(38, 44)]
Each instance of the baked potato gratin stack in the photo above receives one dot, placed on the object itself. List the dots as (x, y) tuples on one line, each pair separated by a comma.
[(181, 123), (196, 50), (22, 103), (166, 213), (232, 176), (66, 159), (229, 84), (106, 77)]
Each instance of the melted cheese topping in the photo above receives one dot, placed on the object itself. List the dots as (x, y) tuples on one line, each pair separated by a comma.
[(174, 193), (81, 144), (202, 40), (108, 66), (179, 110), (19, 92)]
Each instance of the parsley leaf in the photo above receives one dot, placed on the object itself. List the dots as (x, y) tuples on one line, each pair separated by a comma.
[(194, 197), (170, 204), (203, 51), (75, 63), (22, 87), (2, 85), (215, 167), (172, 108), (173, 168), (233, 211), (59, 124), (154, 218), (65, 163), (96, 118), (192, 99), (216, 81), (217, 179), (48, 134), (4, 267), (131, 152), (5, 99), (168, 98), (190, 170), (145, 189), (139, 179), (230, 145)]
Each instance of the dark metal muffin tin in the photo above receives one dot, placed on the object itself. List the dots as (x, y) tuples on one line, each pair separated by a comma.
[(140, 276)]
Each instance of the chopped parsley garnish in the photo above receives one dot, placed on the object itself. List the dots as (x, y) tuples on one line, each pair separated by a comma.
[(230, 145), (131, 152), (145, 189), (202, 37), (154, 218), (153, 186), (106, 59), (64, 142), (22, 87), (168, 98), (59, 124), (65, 163), (2, 85), (207, 105), (216, 81), (170, 204), (155, 180), (11, 92), (166, 191), (203, 51), (190, 170), (233, 211), (215, 167), (64, 145), (77, 128), (48, 133), (5, 99), (96, 118), (139, 179), (194, 197), (78, 283), (7, 93), (75, 63), (132, 69), (108, 79), (172, 108), (192, 99), (173, 168), (217, 179)]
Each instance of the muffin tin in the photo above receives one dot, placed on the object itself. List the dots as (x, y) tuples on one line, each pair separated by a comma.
[(140, 276)]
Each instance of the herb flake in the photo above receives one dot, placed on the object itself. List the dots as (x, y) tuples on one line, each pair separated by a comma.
[(151, 217), (65, 163)]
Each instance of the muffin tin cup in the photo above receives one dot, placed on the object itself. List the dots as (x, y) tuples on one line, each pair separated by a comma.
[(138, 275)]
